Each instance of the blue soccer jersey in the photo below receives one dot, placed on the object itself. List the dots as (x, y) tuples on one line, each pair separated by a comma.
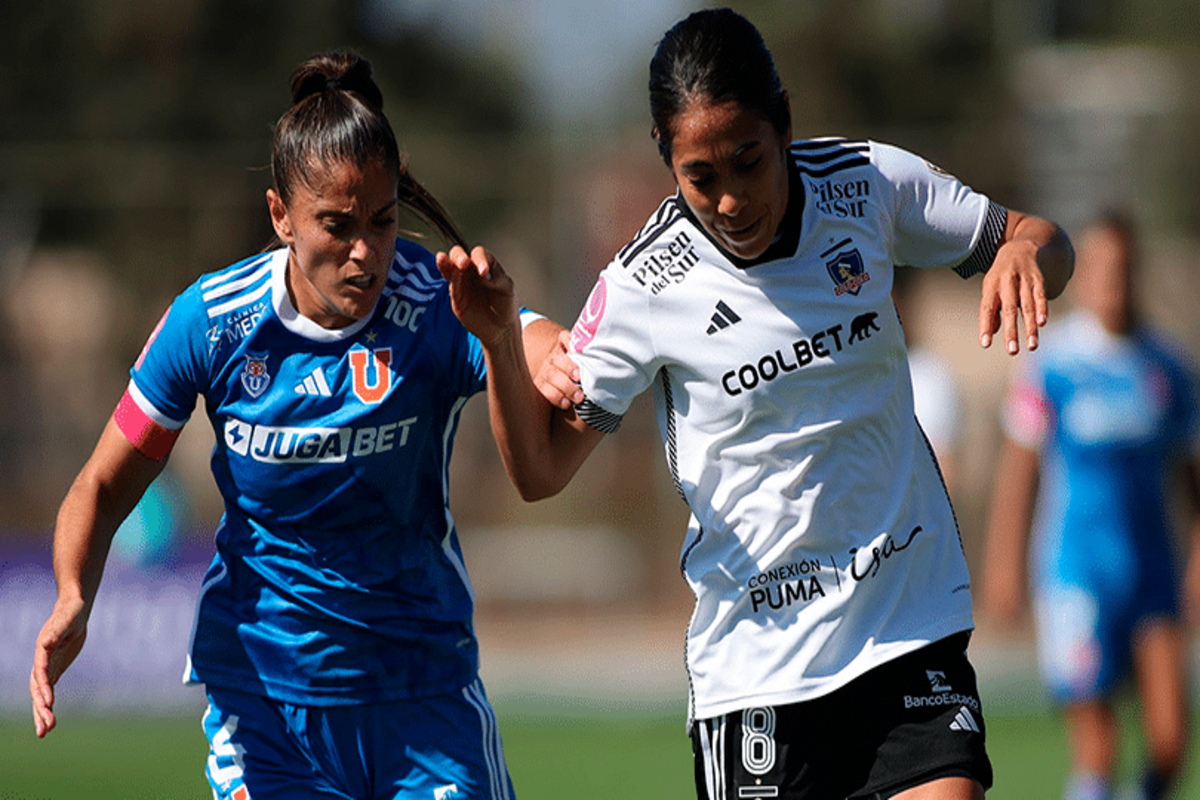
[(338, 576), (1111, 417)]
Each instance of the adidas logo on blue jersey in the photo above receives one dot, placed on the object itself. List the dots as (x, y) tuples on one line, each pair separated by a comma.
[(722, 318), (315, 385)]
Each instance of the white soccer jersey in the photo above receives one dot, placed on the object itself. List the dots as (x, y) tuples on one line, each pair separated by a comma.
[(821, 542)]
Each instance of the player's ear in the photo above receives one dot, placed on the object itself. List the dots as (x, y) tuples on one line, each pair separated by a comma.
[(279, 217)]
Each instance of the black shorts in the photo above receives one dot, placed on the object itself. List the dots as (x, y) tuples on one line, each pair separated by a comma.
[(904, 723)]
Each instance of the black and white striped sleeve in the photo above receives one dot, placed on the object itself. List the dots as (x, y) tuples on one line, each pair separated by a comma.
[(597, 417), (984, 254)]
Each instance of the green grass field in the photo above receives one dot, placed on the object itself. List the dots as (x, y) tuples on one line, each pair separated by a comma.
[(581, 756)]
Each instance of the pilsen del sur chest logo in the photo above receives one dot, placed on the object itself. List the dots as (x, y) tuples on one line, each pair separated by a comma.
[(845, 266), (255, 377)]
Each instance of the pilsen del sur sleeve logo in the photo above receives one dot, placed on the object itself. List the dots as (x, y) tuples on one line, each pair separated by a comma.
[(589, 319)]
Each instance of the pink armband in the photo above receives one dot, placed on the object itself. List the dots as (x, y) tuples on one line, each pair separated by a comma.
[(151, 439)]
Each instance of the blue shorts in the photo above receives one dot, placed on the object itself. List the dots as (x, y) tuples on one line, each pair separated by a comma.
[(445, 747), (1085, 633)]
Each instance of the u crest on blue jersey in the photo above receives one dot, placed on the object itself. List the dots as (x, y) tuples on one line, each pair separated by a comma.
[(255, 377), (372, 374)]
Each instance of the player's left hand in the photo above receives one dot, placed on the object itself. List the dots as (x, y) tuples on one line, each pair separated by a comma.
[(482, 294), (1014, 297), (558, 378), (57, 646)]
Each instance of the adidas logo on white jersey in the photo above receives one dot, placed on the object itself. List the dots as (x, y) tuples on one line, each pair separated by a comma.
[(314, 385), (722, 318), (964, 721)]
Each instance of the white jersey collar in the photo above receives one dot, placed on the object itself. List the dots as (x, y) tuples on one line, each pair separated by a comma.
[(292, 319)]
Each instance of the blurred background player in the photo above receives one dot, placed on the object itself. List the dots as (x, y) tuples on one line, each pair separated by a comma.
[(1097, 424), (936, 395), (334, 633)]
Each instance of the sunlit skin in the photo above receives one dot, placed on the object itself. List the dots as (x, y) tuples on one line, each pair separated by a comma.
[(1104, 284), (731, 167), (340, 229)]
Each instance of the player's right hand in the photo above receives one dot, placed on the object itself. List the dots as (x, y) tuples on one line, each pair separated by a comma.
[(57, 646), (482, 294)]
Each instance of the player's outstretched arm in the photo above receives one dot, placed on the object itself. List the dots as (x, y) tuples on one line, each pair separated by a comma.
[(1032, 266), (1191, 583), (542, 447), (1006, 546), (105, 491)]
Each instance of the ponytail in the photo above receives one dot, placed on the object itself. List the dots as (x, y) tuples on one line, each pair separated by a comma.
[(337, 115)]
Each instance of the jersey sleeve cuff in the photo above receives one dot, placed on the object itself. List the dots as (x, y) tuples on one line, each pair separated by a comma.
[(984, 254), (529, 317), (150, 437), (597, 417)]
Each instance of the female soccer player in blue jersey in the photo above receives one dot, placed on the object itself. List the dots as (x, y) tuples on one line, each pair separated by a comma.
[(334, 629), (826, 654), (1098, 427)]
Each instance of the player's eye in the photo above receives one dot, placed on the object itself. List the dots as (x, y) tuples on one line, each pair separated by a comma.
[(750, 166), (335, 227)]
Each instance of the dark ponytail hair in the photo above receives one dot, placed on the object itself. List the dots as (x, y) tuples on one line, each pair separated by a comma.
[(337, 116), (713, 56)]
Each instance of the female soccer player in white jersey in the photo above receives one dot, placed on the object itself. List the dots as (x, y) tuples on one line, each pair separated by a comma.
[(334, 631), (826, 652)]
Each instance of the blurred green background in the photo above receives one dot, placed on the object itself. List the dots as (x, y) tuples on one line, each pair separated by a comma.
[(589, 756), (134, 144)]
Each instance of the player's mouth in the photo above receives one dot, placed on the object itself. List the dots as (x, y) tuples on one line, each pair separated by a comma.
[(362, 282), (740, 237)]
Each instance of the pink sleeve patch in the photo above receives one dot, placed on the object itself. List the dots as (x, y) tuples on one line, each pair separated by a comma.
[(151, 439), (1026, 416), (589, 319)]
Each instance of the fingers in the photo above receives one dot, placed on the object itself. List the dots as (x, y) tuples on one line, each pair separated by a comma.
[(1037, 313), (41, 693), (43, 713), (457, 264), (1011, 302), (445, 265), (1010, 306), (58, 644), (558, 381), (478, 260), (483, 261), (988, 316)]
